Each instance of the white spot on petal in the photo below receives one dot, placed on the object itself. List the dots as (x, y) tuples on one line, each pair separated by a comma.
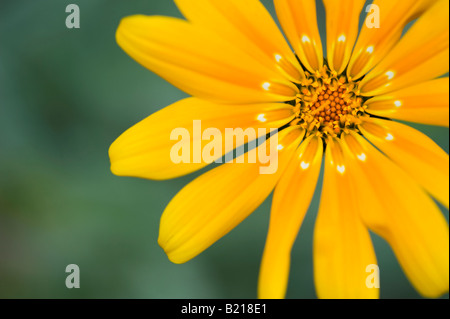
[(261, 118), (304, 165), (390, 75), (341, 169), (362, 157), (342, 38)]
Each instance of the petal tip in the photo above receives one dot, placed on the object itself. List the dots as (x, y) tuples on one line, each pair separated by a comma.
[(170, 253)]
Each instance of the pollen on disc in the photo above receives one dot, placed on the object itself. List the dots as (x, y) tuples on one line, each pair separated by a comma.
[(327, 104)]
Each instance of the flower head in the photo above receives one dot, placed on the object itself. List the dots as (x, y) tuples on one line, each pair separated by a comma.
[(339, 111)]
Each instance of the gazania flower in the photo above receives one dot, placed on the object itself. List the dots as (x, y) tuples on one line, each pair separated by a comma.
[(339, 112)]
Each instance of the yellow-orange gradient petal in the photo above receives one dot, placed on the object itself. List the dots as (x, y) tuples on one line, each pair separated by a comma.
[(196, 61), (342, 246), (413, 151), (291, 200), (378, 37), (342, 30), (144, 150), (299, 22), (214, 203), (395, 207), (421, 55), (425, 103), (248, 26)]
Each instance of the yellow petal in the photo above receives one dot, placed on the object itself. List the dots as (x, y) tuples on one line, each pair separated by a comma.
[(248, 26), (395, 207), (299, 22), (213, 204), (291, 200), (144, 150), (425, 103), (374, 43), (421, 55), (342, 30), (413, 151), (342, 246), (195, 60)]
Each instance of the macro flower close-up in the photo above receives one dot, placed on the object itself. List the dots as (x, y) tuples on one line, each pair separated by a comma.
[(339, 104)]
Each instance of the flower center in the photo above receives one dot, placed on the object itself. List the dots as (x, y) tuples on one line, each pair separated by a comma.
[(327, 104)]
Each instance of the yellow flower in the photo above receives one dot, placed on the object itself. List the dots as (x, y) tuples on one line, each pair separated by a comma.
[(379, 174)]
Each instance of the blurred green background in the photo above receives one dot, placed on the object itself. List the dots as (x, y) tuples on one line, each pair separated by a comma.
[(65, 95)]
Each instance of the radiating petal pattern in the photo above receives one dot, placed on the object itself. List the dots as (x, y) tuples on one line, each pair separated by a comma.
[(342, 31), (299, 22), (342, 246), (425, 103), (421, 55), (413, 151), (395, 207), (230, 193), (375, 41), (193, 59), (144, 150), (291, 200), (248, 26), (244, 79)]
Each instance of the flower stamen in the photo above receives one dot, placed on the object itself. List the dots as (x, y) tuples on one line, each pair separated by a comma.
[(327, 104)]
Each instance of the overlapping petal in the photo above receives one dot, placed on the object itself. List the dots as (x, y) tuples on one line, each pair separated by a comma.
[(375, 41), (249, 27), (231, 192), (291, 200), (342, 246), (196, 61), (425, 103), (299, 23), (342, 31), (145, 150), (421, 55), (395, 207), (413, 151), (233, 59)]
